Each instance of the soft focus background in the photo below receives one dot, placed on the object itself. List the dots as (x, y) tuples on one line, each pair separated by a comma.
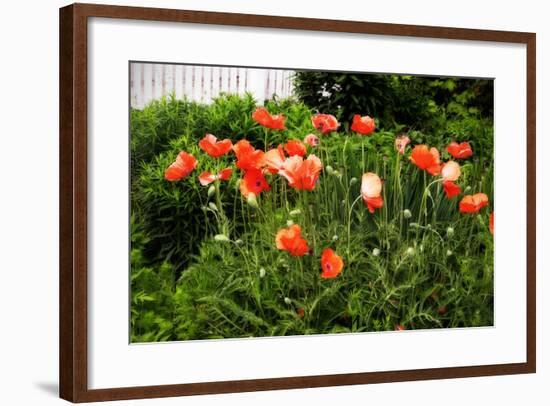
[(28, 219)]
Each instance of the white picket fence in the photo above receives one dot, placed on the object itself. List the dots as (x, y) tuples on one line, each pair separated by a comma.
[(150, 81)]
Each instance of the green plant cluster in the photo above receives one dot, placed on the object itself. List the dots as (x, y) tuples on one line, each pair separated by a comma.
[(417, 262), (430, 108)]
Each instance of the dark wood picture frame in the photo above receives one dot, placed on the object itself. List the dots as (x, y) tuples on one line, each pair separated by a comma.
[(73, 362)]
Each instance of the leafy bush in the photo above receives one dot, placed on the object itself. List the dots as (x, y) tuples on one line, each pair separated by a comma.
[(415, 103)]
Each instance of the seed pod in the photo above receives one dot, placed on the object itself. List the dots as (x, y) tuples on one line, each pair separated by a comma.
[(251, 200), (221, 238)]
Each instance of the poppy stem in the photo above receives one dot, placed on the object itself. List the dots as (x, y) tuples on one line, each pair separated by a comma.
[(349, 222)]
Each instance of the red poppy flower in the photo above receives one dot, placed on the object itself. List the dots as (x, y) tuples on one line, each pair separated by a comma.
[(295, 147), (473, 203), (274, 159), (181, 168), (207, 178), (325, 123), (401, 143), (331, 264), (460, 151), (290, 239), (492, 223), (312, 140), (300, 312), (253, 182), (451, 189), (363, 125), (371, 189), (213, 147), (247, 156), (400, 327), (262, 117), (426, 159), (302, 174)]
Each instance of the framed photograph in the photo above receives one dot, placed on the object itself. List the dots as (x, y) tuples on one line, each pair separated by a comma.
[(256, 202)]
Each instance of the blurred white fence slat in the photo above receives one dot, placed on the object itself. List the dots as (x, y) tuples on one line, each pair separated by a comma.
[(150, 81)]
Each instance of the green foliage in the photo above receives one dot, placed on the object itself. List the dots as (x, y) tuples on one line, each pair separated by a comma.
[(399, 101), (186, 283)]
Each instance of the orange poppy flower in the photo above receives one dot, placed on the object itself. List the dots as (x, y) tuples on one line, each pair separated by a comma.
[(363, 125), (253, 182), (492, 223), (473, 203), (207, 178), (295, 147), (302, 174), (247, 156), (460, 151), (290, 239), (331, 264), (401, 143), (262, 117), (181, 168), (371, 189), (426, 159), (213, 147), (312, 140), (274, 159), (451, 189), (325, 123), (400, 327)]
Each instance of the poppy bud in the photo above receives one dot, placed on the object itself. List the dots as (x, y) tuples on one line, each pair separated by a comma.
[(329, 169), (352, 181), (204, 208), (410, 251), (449, 253), (334, 237), (414, 225), (289, 223), (238, 184), (251, 200), (288, 300), (239, 242), (295, 212), (213, 206), (450, 231), (407, 214), (262, 272), (467, 189), (221, 238), (211, 191), (375, 252), (336, 173)]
